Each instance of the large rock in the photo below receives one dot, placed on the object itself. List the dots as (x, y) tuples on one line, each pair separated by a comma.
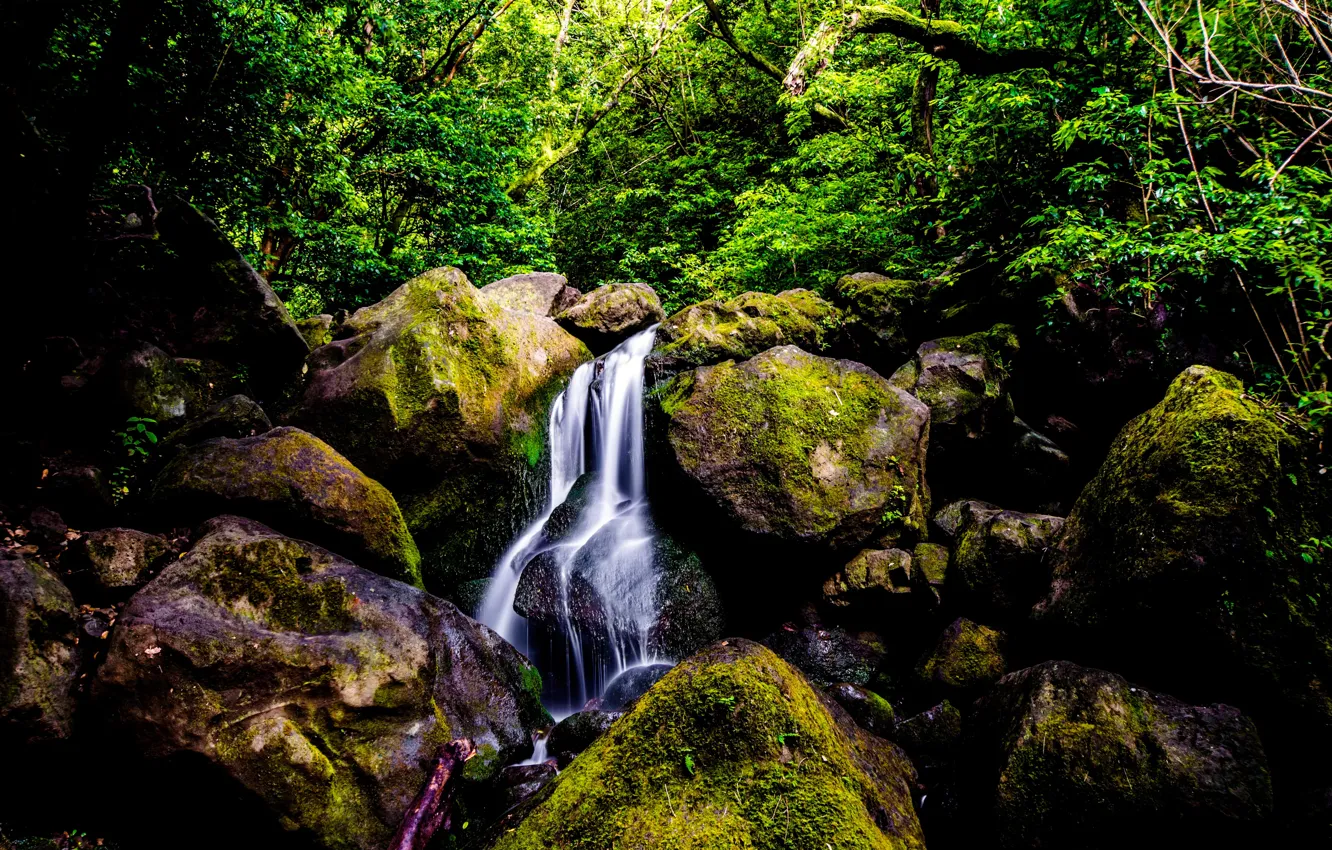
[(878, 315), (1000, 564), (298, 483), (443, 396), (964, 380), (1189, 556), (1068, 756), (829, 654), (543, 293), (733, 748), (240, 319), (38, 660), (877, 580), (233, 416), (967, 658), (322, 688), (112, 562), (150, 384), (748, 324), (802, 448), (610, 314)]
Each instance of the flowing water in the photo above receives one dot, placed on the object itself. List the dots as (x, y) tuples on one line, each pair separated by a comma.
[(596, 426)]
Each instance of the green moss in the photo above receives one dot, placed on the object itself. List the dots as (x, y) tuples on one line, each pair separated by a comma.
[(732, 748), (968, 656), (712, 331), (265, 575)]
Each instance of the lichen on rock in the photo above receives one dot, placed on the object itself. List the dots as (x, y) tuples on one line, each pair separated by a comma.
[(38, 660), (610, 314)]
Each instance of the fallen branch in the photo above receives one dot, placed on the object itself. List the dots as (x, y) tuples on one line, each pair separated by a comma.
[(430, 810)]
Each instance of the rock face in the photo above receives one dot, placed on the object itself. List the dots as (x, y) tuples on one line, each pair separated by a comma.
[(1189, 553), (610, 314), (732, 717), (442, 395), (877, 313), (38, 660), (298, 483), (577, 732), (964, 382), (241, 319), (543, 293), (968, 657), (323, 688), (149, 384), (1000, 565), (748, 324), (802, 448), (114, 561), (1075, 757), (234, 416)]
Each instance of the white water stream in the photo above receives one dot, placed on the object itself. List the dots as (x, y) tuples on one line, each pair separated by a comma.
[(596, 425)]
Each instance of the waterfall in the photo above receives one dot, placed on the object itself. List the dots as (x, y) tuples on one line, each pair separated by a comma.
[(596, 426)]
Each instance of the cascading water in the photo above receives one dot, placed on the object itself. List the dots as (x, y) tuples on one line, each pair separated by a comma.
[(596, 426)]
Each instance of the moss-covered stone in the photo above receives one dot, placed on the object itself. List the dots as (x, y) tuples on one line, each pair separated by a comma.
[(878, 314), (316, 330), (1189, 553), (873, 712), (741, 327), (1000, 566), (235, 416), (442, 395), (298, 483), (542, 293), (150, 385), (111, 562), (1068, 756), (321, 687), (874, 578), (967, 658), (610, 314), (733, 748), (802, 448), (38, 660), (931, 562)]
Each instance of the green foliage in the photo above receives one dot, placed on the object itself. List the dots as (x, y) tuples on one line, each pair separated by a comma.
[(134, 445)]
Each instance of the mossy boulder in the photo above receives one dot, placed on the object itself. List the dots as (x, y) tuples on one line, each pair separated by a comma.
[(39, 663), (1188, 555), (233, 416), (240, 320), (733, 748), (150, 384), (542, 293), (111, 562), (931, 562), (1068, 756), (739, 328), (878, 314), (610, 314), (577, 732), (796, 447), (1000, 565), (878, 579), (964, 380), (316, 330), (298, 483), (967, 658), (322, 688), (442, 395)]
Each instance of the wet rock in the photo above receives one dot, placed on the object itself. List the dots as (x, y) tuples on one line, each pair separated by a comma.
[(737, 329), (1040, 470), (322, 688), (964, 380), (469, 595), (952, 516), (235, 416), (301, 485), (1188, 556), (1069, 756), (522, 781), (967, 658), (577, 732), (610, 314), (689, 609), (110, 563), (546, 598), (932, 734), (38, 660), (795, 447), (733, 713), (1000, 566), (931, 561), (829, 654), (443, 396), (542, 293), (871, 711), (632, 684), (878, 313)]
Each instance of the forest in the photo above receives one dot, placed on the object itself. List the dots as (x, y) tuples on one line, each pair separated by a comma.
[(594, 424)]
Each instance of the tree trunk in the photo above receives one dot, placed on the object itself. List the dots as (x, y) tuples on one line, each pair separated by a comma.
[(430, 810)]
